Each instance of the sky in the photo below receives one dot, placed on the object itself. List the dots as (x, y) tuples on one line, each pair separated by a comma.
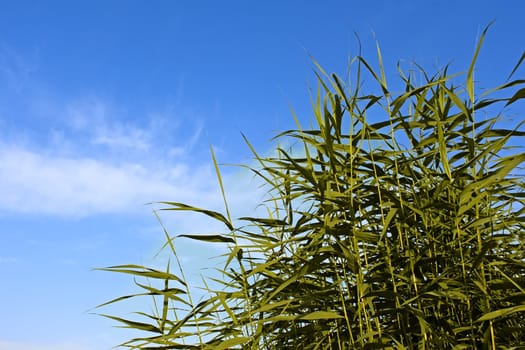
[(106, 106)]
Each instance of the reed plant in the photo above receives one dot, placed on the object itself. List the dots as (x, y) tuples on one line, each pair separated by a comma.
[(396, 222)]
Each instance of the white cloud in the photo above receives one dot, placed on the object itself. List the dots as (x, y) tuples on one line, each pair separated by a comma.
[(94, 119), (96, 157), (122, 137), (94, 160), (41, 183), (91, 121), (33, 182)]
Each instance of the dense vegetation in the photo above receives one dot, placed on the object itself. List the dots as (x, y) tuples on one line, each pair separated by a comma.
[(406, 232)]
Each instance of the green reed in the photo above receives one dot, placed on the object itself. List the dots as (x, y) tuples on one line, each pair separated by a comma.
[(403, 233)]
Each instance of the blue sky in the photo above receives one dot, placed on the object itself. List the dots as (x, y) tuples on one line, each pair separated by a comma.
[(108, 105)]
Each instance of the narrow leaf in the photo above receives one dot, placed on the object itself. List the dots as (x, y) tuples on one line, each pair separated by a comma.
[(320, 315), (501, 313), (210, 238)]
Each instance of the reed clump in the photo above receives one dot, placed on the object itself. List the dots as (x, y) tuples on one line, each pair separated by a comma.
[(403, 233)]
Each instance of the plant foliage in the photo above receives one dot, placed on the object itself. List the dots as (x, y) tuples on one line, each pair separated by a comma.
[(403, 233)]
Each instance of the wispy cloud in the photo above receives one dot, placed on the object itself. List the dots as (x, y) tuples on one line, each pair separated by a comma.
[(33, 182), (97, 158), (88, 155), (122, 136), (97, 165), (100, 124)]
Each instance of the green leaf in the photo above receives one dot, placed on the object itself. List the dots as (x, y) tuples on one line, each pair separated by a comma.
[(470, 78), (520, 94), (517, 65), (210, 238), (320, 315), (501, 313), (265, 221), (142, 271), (210, 213), (135, 325), (229, 343)]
